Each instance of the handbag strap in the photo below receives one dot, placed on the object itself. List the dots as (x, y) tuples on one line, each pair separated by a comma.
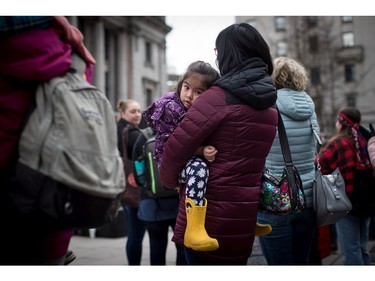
[(318, 141), (290, 170), (318, 144), (284, 141)]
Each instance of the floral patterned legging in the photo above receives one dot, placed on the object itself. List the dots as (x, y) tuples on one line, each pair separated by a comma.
[(195, 176)]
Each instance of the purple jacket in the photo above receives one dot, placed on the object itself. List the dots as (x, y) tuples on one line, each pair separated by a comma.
[(163, 116)]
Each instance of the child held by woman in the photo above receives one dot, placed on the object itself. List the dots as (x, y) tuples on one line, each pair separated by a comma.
[(163, 116)]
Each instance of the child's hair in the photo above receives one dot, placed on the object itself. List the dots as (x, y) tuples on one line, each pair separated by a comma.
[(210, 75), (288, 73), (353, 115), (122, 105)]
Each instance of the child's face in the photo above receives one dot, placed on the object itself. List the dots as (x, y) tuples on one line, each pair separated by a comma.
[(191, 88), (338, 126)]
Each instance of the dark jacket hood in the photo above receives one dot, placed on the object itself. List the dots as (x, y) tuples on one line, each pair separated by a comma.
[(251, 83)]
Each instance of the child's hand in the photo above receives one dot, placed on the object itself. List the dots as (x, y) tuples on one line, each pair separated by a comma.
[(209, 153)]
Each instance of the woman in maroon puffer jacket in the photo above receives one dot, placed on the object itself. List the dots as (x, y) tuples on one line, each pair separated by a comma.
[(237, 117)]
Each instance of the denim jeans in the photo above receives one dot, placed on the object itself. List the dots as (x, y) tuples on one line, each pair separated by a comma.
[(353, 233), (291, 238), (136, 232), (158, 233)]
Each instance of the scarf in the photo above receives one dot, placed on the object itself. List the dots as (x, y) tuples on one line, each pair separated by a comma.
[(362, 156)]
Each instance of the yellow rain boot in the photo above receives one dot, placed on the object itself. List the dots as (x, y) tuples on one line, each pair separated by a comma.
[(196, 236), (262, 229)]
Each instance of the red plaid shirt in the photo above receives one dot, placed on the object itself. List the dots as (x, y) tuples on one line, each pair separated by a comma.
[(339, 153)]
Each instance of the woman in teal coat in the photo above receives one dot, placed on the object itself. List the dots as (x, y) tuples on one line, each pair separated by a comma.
[(291, 237)]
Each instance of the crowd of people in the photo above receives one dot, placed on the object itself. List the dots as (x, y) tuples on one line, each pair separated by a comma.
[(214, 135)]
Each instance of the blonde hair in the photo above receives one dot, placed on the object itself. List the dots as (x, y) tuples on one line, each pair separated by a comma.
[(122, 105), (288, 73)]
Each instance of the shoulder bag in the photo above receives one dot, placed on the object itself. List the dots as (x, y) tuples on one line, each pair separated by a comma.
[(130, 196), (329, 196), (282, 195)]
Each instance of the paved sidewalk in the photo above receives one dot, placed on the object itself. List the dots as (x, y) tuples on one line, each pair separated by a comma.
[(111, 251)]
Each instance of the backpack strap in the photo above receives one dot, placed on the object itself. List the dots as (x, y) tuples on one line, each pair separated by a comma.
[(124, 142), (318, 141), (78, 64), (128, 163), (147, 132)]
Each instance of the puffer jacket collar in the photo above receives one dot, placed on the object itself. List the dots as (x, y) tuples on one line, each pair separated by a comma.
[(251, 83)]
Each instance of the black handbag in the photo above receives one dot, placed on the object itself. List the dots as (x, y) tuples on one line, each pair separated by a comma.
[(282, 195)]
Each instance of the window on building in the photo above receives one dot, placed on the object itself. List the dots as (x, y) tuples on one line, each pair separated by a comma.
[(318, 101), (312, 22), (281, 48), (149, 90), (348, 39), (315, 76), (313, 44), (349, 72), (280, 23), (148, 96), (148, 54), (347, 19), (351, 99)]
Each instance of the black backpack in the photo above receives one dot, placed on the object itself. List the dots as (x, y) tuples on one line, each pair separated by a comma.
[(146, 170), (363, 196)]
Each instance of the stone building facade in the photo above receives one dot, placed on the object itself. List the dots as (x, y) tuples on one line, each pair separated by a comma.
[(338, 53), (130, 53)]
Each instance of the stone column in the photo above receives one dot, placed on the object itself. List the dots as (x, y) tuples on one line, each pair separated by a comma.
[(121, 66), (100, 67)]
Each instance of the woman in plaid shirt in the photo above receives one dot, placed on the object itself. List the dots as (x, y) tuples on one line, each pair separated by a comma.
[(347, 150)]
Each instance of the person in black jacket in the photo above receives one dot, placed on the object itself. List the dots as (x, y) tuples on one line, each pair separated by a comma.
[(159, 215), (130, 118)]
